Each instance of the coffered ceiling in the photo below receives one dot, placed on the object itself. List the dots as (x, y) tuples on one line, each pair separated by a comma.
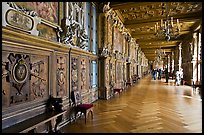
[(140, 19)]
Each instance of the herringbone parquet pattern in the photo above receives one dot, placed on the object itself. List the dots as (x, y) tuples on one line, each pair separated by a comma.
[(151, 106)]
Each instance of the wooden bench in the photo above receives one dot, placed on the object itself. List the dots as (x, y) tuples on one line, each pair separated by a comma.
[(29, 125), (128, 83), (118, 90)]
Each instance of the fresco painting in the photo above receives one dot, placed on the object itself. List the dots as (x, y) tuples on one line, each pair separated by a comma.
[(45, 10)]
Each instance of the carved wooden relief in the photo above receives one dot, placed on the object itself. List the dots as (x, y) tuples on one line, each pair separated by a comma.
[(5, 80), (84, 83), (61, 75), (19, 68), (107, 79), (119, 74), (83, 75), (25, 78), (39, 77), (124, 72), (112, 72), (74, 73)]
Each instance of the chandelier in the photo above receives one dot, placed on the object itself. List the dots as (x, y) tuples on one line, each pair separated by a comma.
[(160, 53), (167, 29)]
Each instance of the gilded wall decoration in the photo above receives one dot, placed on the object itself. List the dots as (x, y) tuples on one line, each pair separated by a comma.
[(61, 76), (74, 73), (110, 32), (159, 9), (45, 10), (39, 77), (19, 18)]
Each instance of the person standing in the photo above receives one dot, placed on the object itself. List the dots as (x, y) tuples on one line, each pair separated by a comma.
[(181, 76), (178, 79), (166, 75), (159, 75)]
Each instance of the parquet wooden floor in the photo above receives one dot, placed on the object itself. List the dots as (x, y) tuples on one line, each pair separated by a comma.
[(150, 106)]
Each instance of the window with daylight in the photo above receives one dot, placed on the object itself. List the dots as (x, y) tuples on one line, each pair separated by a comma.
[(94, 81), (91, 27)]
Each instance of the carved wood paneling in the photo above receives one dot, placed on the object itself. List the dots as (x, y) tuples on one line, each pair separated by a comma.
[(61, 75), (84, 83), (25, 78), (74, 73), (39, 77), (119, 74)]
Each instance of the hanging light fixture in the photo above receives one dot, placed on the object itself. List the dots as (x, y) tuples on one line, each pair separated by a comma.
[(160, 53), (167, 29)]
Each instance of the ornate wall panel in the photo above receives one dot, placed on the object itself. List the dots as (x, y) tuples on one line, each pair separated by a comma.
[(5, 80), (61, 75), (74, 73), (124, 74), (117, 40), (112, 72), (39, 77), (119, 74), (94, 94), (26, 78), (108, 86), (110, 34), (84, 83)]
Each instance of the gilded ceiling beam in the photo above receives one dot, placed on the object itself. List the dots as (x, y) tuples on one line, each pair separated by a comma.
[(153, 51), (182, 18), (124, 5)]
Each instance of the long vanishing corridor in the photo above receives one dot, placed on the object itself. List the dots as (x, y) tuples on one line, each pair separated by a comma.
[(151, 106)]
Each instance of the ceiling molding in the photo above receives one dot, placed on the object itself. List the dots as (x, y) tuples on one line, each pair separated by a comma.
[(182, 18), (124, 5)]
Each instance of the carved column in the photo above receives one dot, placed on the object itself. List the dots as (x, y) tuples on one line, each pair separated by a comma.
[(180, 57), (195, 54), (137, 46)]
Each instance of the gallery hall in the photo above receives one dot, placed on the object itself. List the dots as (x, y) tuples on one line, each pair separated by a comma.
[(102, 67)]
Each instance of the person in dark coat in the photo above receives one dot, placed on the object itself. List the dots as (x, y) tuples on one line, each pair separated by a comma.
[(166, 75)]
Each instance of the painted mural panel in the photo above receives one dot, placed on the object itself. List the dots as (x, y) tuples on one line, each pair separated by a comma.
[(45, 10), (117, 40), (47, 32)]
